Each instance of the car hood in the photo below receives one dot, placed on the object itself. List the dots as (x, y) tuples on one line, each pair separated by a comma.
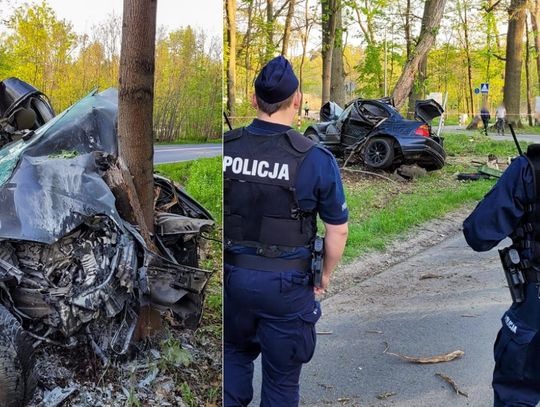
[(51, 181), (330, 111), (427, 110)]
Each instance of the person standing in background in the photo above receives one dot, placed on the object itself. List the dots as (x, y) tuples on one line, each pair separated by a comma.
[(484, 114), (500, 118)]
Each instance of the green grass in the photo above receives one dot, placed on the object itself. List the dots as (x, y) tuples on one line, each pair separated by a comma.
[(201, 178), (381, 212)]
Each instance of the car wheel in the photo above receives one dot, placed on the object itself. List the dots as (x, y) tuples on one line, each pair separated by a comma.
[(379, 153), (17, 376), (313, 136)]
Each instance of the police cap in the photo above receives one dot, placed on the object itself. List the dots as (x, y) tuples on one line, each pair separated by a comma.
[(276, 81)]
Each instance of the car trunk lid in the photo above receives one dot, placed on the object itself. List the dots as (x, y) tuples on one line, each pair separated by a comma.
[(427, 110)]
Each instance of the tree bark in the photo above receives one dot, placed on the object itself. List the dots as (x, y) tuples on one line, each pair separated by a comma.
[(269, 30), (514, 57), (305, 38), (231, 60), (535, 20), (337, 76), (418, 90), (135, 100), (328, 41), (528, 73), (425, 42), (287, 28)]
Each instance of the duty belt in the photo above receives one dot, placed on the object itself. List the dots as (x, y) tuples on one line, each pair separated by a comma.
[(277, 264)]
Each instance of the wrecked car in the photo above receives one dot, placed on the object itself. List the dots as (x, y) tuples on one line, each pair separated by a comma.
[(72, 269), (375, 131)]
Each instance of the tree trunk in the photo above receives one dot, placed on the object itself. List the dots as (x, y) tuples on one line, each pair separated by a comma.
[(408, 41), (425, 42), (328, 41), (514, 56), (528, 73), (305, 37), (269, 30), (535, 19), (337, 77), (135, 100), (231, 61), (418, 90), (287, 29)]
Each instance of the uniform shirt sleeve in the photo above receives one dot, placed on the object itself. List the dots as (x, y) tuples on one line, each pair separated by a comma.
[(319, 187), (499, 213)]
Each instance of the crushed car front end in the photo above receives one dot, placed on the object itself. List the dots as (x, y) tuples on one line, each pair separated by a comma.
[(71, 267)]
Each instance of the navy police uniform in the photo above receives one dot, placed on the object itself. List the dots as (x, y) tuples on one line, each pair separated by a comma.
[(508, 210), (276, 183)]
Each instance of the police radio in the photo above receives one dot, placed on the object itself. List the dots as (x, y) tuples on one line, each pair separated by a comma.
[(318, 261), (514, 277)]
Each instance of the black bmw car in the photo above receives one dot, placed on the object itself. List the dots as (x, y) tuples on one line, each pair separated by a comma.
[(379, 134)]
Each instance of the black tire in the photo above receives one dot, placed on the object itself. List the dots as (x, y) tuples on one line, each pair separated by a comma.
[(379, 153), (17, 360), (312, 135)]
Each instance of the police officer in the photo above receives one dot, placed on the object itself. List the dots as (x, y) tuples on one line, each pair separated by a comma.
[(512, 209), (276, 182)]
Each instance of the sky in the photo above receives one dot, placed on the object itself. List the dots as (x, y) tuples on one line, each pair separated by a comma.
[(203, 14)]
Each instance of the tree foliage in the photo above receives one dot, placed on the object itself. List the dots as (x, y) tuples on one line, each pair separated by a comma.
[(44, 50)]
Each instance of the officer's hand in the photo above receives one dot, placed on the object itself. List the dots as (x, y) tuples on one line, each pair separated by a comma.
[(324, 285)]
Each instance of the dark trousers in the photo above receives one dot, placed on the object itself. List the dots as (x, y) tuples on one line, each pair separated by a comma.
[(485, 121), (516, 378), (273, 315)]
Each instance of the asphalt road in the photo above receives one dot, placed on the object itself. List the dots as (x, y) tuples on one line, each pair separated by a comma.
[(459, 308), (164, 154)]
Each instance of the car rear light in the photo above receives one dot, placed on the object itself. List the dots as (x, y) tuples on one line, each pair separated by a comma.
[(422, 130)]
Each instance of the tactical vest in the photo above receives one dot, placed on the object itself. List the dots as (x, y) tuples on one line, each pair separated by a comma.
[(260, 203), (527, 234)]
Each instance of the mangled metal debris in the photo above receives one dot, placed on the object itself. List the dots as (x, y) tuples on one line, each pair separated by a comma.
[(72, 268)]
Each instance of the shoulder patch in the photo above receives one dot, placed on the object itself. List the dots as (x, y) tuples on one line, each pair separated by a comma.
[(299, 142), (233, 134)]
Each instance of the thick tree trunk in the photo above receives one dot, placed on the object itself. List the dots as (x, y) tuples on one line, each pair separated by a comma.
[(528, 73), (135, 102), (231, 60), (328, 41), (514, 57), (287, 29), (418, 90), (337, 77), (535, 19), (425, 42)]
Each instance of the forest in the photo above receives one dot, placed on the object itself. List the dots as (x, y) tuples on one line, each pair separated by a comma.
[(44, 50), (407, 49)]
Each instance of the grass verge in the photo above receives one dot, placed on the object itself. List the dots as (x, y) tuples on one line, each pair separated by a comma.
[(381, 211)]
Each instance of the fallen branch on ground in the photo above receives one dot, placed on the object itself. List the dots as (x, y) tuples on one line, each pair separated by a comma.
[(452, 383), (447, 357)]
